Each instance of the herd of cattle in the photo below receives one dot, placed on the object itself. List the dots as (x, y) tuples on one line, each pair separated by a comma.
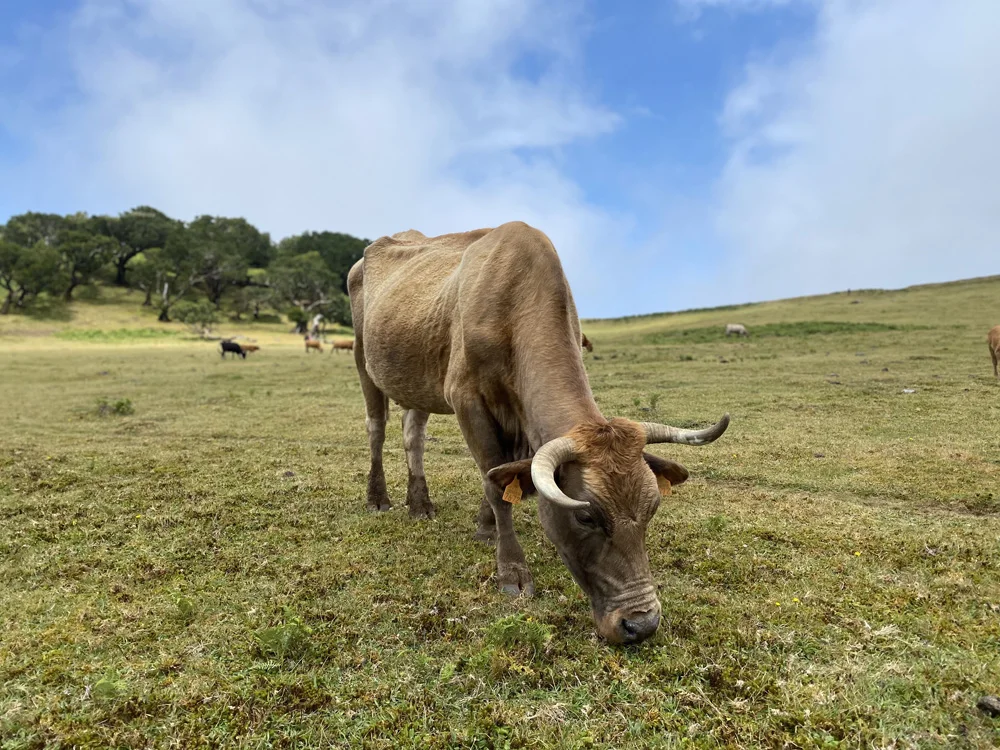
[(228, 346), (483, 325)]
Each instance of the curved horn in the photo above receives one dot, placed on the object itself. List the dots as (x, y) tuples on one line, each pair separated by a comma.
[(664, 433), (543, 472)]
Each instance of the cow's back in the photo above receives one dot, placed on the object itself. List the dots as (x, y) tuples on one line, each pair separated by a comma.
[(408, 287)]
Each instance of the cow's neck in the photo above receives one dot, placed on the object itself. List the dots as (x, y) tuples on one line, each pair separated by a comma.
[(556, 397)]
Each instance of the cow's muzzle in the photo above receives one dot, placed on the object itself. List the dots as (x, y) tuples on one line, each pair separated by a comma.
[(625, 627)]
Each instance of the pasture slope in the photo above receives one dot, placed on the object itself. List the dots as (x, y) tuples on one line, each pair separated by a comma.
[(201, 572)]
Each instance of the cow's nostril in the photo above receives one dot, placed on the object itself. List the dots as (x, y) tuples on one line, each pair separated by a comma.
[(639, 626)]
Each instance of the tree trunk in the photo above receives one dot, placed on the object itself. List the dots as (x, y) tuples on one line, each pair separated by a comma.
[(120, 264), (7, 302), (148, 302), (73, 284), (164, 315)]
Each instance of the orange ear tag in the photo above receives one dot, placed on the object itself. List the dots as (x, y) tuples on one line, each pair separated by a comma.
[(664, 484), (512, 494)]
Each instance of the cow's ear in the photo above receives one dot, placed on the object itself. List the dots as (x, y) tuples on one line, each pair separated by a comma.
[(504, 474), (672, 471)]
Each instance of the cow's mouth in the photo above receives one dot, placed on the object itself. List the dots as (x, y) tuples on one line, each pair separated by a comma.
[(626, 626)]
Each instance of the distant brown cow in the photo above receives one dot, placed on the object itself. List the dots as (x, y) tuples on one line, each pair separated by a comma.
[(993, 339), (347, 346), (586, 344), (313, 344), (250, 347)]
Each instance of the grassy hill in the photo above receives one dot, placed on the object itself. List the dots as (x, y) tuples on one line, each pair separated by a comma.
[(196, 568)]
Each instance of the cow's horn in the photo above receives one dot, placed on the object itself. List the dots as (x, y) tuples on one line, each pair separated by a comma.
[(543, 472), (664, 433)]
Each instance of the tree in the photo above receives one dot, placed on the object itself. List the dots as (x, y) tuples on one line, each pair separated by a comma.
[(10, 255), (82, 255), (200, 315), (339, 251), (38, 269), (145, 274), (177, 269), (306, 283), (28, 229), (250, 299), (228, 247), (134, 232)]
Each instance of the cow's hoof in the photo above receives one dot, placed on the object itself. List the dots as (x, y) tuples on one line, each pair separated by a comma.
[(516, 581), (380, 507), (423, 512), (515, 590)]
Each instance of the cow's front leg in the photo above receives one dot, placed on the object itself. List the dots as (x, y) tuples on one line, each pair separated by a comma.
[(513, 575), (414, 439), (481, 435)]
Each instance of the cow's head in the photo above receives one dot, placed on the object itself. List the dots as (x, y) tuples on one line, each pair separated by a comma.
[(598, 492)]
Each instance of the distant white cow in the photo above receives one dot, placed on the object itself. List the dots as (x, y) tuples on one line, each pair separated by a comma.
[(314, 326), (736, 328)]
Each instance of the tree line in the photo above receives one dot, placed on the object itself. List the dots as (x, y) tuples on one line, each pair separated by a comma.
[(190, 271)]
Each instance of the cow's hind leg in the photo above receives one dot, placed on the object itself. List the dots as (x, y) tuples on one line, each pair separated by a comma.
[(377, 411), (414, 439), (486, 522), (480, 431), (996, 360)]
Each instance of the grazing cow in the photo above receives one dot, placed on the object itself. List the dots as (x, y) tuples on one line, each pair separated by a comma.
[(344, 345), (993, 339), (250, 348), (737, 329), (313, 344), (234, 348), (586, 344), (483, 325)]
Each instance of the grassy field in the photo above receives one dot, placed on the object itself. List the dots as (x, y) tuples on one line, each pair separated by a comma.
[(186, 561)]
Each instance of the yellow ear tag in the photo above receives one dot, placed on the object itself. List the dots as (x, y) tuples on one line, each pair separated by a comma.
[(664, 484), (512, 494)]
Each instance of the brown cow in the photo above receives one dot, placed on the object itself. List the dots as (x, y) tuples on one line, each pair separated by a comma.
[(993, 339), (483, 325), (250, 347), (347, 346), (313, 344)]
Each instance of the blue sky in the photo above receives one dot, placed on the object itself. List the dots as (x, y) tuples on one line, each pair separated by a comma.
[(680, 153)]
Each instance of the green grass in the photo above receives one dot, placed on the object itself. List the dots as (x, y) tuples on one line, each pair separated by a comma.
[(117, 335), (201, 572)]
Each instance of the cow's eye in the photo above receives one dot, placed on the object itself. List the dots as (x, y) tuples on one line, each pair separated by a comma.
[(586, 519)]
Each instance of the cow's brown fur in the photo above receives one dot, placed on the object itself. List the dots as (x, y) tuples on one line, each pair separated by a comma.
[(586, 344), (346, 345), (250, 347), (993, 339), (313, 344), (483, 325)]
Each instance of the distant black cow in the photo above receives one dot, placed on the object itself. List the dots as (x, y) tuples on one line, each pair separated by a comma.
[(232, 346)]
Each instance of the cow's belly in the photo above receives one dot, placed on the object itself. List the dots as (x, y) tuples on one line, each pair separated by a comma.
[(402, 375), (409, 365)]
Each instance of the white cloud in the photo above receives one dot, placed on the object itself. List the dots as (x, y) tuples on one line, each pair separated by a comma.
[(367, 116), (873, 159)]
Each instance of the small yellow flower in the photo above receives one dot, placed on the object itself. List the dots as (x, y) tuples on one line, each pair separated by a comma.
[(795, 600), (857, 554), (777, 604)]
